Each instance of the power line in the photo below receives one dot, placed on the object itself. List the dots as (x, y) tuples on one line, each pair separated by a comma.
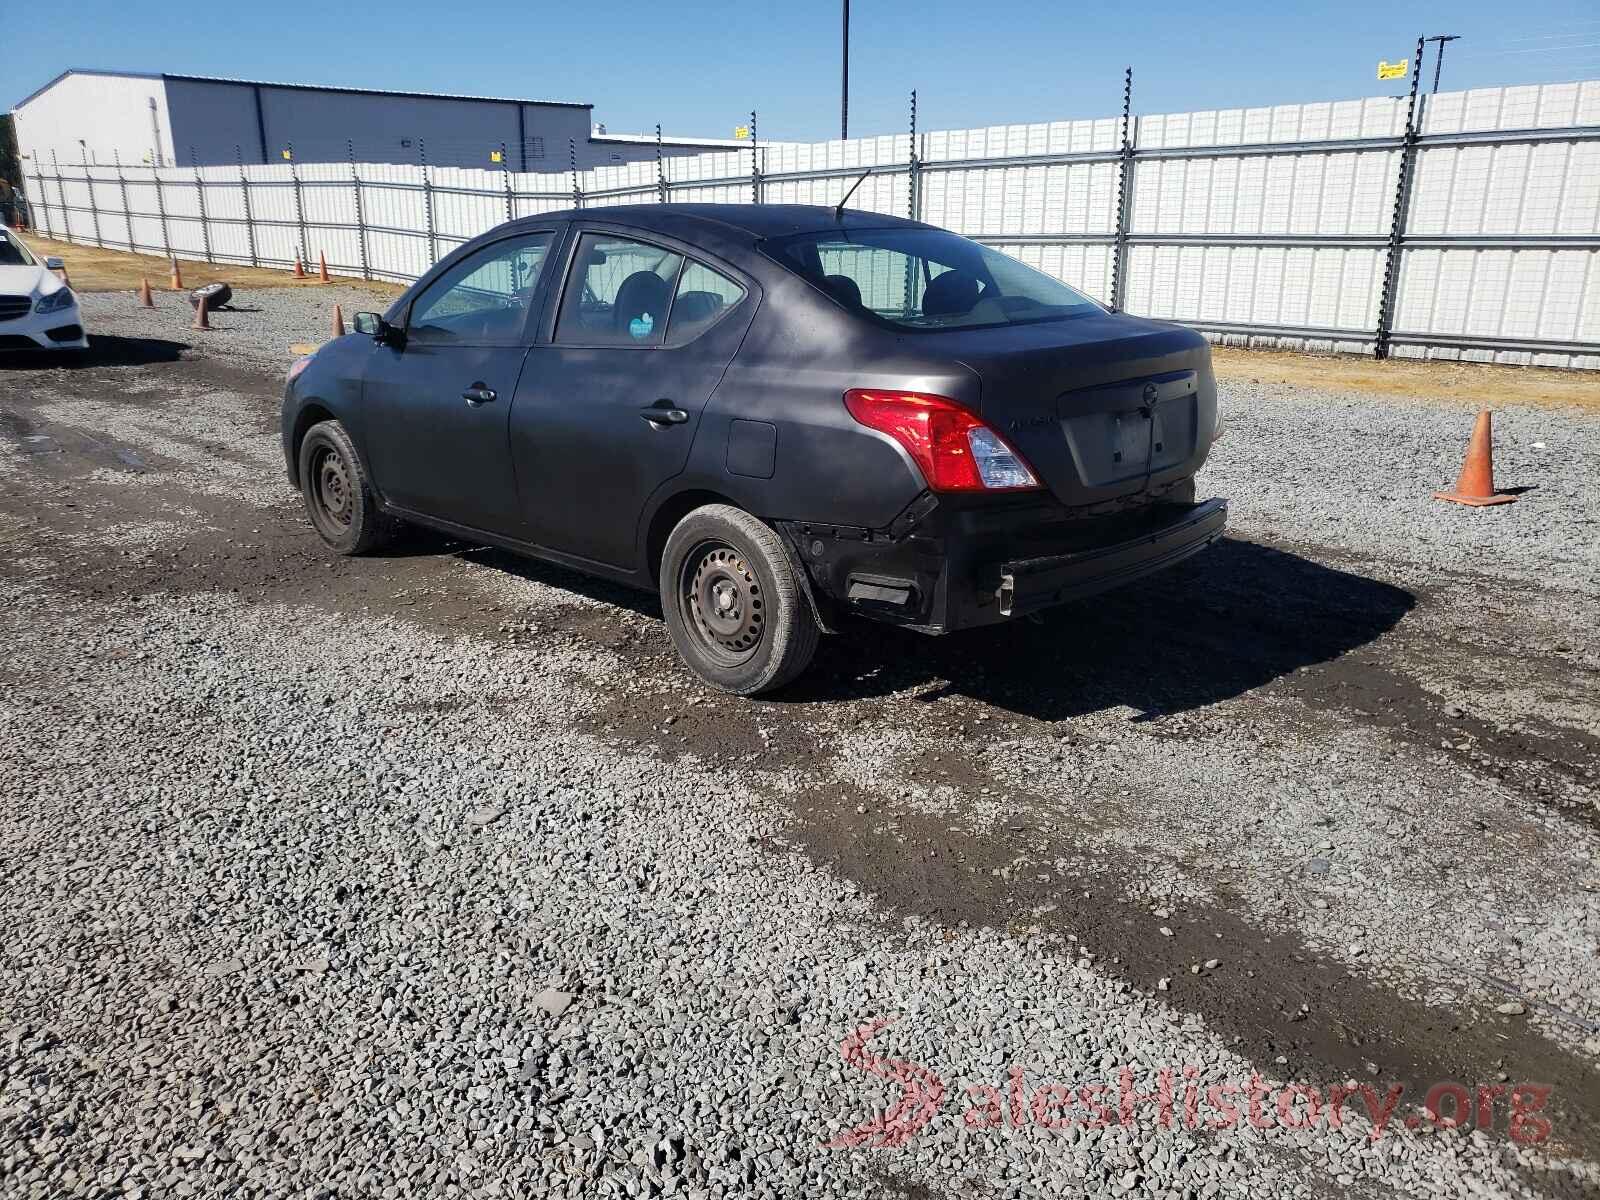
[(1534, 50)]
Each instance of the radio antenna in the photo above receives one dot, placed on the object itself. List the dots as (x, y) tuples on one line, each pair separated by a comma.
[(838, 209)]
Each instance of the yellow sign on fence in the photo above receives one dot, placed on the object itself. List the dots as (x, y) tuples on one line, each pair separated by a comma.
[(1395, 70), (496, 156), (741, 131)]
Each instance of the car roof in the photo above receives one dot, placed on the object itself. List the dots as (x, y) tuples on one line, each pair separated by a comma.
[(756, 220)]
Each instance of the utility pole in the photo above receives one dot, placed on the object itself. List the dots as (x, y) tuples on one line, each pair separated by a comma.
[(1438, 62), (844, 79)]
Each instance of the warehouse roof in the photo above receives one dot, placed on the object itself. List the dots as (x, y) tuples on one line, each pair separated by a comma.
[(297, 87)]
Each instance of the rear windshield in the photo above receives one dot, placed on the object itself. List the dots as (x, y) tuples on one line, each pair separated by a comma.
[(13, 253), (928, 279)]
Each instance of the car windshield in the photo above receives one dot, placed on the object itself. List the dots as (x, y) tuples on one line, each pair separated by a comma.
[(928, 279), (13, 253)]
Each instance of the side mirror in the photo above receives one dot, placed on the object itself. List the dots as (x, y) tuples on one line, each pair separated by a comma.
[(368, 323), (54, 264)]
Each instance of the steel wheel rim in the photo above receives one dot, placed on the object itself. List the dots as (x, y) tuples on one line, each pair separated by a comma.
[(723, 602), (331, 482)]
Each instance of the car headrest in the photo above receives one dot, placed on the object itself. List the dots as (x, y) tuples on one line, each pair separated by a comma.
[(950, 294), (640, 293), (695, 307), (843, 289)]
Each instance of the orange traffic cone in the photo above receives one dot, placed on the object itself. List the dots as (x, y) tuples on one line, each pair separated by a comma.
[(146, 300), (202, 316), (338, 321), (299, 268), (322, 268), (177, 276), (1476, 485)]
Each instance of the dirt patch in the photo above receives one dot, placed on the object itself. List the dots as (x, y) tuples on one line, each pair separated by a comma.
[(705, 724), (1536, 758), (1269, 995), (1455, 384)]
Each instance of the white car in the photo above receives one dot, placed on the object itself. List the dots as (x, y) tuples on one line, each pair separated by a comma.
[(37, 310)]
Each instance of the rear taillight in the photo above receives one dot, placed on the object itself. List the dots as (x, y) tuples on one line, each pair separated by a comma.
[(955, 451)]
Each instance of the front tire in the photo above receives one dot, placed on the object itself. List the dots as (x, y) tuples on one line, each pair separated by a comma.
[(736, 612), (339, 498)]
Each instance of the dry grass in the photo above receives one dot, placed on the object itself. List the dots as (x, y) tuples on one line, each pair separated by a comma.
[(95, 270), (1463, 385)]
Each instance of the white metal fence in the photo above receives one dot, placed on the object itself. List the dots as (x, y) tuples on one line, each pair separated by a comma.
[(1466, 227)]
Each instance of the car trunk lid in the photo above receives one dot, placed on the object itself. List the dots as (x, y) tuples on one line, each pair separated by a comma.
[(1098, 406)]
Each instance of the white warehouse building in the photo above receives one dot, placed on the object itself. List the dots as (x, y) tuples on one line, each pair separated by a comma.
[(175, 120)]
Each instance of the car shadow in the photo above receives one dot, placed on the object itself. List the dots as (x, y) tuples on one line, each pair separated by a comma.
[(1227, 621), (1224, 623), (104, 350), (415, 541)]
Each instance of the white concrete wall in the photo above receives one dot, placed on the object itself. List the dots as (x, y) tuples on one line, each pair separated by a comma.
[(111, 113)]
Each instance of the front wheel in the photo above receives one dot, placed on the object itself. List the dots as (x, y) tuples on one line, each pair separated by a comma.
[(339, 498), (734, 608)]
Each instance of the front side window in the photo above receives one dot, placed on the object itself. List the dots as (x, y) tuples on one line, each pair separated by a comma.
[(618, 293), (928, 279), (483, 298)]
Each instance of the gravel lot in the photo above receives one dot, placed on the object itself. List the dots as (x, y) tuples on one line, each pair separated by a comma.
[(432, 874)]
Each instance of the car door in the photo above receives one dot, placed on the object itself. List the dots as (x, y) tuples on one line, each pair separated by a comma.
[(436, 401), (609, 405)]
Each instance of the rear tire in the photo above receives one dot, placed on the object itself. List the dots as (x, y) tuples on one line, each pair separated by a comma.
[(339, 498), (737, 614)]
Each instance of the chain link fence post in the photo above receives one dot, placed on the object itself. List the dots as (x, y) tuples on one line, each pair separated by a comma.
[(661, 169), (61, 198), (1397, 223), (299, 206), (244, 196), (94, 210), (161, 212), (200, 202), (122, 186), (505, 171), (427, 203), (914, 168), (361, 220), (1119, 258), (44, 200), (755, 163)]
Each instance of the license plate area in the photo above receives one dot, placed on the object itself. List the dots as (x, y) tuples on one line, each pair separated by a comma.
[(1123, 431)]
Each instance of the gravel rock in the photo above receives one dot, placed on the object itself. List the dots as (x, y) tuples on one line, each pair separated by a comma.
[(225, 748)]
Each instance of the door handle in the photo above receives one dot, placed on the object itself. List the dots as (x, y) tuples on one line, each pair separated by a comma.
[(663, 413), (477, 395)]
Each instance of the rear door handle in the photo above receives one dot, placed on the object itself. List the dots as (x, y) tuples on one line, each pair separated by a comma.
[(664, 414), (477, 395)]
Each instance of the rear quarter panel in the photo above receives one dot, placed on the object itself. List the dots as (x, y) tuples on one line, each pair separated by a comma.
[(801, 355)]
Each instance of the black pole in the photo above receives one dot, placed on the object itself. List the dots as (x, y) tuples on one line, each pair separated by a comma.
[(1438, 61), (844, 78), (1397, 224)]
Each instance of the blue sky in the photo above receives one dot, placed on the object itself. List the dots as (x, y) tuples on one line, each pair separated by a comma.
[(699, 68)]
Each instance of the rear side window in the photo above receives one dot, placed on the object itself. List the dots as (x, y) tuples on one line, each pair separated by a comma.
[(618, 293), (704, 297)]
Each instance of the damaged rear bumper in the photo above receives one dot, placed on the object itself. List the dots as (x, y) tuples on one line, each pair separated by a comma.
[(1027, 585), (952, 565)]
